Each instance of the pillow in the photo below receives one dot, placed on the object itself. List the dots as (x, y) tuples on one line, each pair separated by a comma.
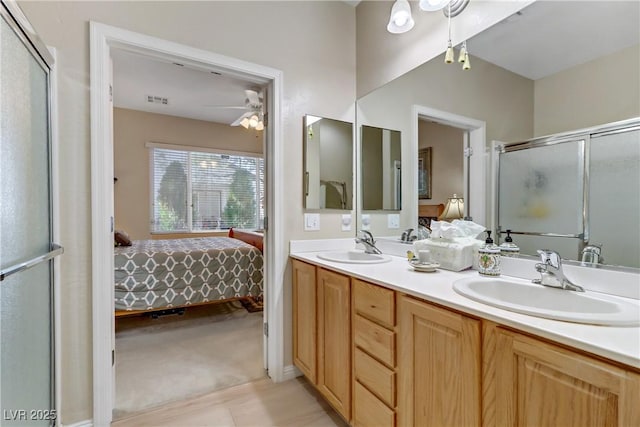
[(122, 238)]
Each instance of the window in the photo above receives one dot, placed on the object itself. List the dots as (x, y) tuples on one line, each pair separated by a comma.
[(203, 190)]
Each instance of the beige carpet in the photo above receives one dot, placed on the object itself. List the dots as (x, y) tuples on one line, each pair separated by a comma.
[(176, 357)]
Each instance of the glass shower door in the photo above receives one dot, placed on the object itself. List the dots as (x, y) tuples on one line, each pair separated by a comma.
[(26, 251)]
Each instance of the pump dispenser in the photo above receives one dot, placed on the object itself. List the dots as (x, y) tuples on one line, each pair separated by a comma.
[(508, 248), (489, 258)]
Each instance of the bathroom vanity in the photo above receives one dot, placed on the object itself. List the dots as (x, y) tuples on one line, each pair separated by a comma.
[(387, 345)]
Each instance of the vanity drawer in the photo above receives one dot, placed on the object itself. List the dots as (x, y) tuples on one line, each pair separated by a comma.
[(374, 302), (376, 377), (375, 340), (369, 411)]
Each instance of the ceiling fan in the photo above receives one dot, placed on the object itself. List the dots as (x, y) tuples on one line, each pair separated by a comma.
[(254, 117)]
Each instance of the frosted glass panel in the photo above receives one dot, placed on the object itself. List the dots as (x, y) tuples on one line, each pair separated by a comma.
[(25, 233), (541, 189), (614, 197), (25, 359), (24, 161)]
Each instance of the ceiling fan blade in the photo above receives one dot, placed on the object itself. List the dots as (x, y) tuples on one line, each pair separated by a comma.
[(239, 119), (252, 97)]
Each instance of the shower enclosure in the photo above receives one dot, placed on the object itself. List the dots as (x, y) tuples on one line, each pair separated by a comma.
[(27, 394), (572, 190)]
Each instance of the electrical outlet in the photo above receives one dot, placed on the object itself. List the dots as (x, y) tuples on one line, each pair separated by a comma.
[(366, 221), (346, 222), (393, 221), (311, 222)]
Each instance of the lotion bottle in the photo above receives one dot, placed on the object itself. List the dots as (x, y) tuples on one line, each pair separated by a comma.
[(489, 258), (508, 248)]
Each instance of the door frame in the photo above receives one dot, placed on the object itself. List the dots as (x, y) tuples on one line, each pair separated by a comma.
[(103, 38)]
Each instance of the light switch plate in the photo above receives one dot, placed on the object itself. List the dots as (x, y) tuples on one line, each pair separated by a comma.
[(366, 221), (393, 220), (311, 222), (346, 222)]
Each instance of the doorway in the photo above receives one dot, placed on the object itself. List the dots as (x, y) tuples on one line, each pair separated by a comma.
[(103, 39), (475, 157)]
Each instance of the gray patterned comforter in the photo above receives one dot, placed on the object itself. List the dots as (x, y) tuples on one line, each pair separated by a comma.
[(153, 274)]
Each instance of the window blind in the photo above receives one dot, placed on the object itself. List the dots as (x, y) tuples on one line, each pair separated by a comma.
[(199, 191)]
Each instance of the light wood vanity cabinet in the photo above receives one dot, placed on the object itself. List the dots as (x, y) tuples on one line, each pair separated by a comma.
[(439, 366), (382, 359), (322, 332), (530, 382)]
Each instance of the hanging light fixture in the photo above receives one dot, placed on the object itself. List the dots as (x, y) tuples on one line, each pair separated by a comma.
[(400, 20)]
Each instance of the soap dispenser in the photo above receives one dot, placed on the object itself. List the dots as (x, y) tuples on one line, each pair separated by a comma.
[(508, 248), (489, 258)]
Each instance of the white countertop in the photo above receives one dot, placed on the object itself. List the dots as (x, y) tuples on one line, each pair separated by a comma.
[(620, 344)]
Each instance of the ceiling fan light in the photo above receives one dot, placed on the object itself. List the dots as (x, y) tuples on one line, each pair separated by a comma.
[(245, 123), (253, 121), (432, 5), (260, 125)]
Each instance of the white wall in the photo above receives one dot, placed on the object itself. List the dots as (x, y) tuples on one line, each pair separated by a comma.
[(312, 42)]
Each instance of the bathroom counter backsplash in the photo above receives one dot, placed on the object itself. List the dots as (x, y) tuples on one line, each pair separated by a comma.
[(620, 344)]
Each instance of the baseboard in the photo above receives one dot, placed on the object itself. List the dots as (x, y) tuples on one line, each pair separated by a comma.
[(85, 423), (290, 372)]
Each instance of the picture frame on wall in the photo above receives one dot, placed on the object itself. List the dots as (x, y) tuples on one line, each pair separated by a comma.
[(424, 173)]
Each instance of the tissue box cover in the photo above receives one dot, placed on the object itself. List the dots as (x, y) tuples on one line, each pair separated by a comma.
[(455, 254)]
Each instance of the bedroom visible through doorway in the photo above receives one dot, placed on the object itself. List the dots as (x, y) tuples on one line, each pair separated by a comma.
[(184, 283)]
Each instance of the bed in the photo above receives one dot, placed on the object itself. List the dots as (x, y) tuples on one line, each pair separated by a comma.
[(153, 275)]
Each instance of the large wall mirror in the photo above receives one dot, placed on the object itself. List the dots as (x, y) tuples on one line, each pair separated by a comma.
[(529, 77), (328, 163), (381, 171)]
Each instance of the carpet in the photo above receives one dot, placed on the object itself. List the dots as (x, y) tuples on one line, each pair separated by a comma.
[(176, 357)]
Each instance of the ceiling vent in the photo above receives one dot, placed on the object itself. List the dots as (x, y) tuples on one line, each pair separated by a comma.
[(157, 100)]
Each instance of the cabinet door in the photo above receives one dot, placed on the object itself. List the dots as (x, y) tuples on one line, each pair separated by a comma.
[(540, 384), (334, 340), (304, 318), (438, 366)]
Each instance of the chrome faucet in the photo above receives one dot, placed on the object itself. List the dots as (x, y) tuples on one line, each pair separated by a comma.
[(592, 254), (366, 238), (551, 273), (407, 236)]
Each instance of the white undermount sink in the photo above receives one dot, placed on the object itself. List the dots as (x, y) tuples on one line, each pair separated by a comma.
[(354, 257), (522, 296)]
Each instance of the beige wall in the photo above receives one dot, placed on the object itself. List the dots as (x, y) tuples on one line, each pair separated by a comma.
[(132, 130), (604, 90), (312, 42), (447, 160), (383, 56)]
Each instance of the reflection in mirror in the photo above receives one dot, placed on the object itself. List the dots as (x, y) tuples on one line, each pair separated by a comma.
[(328, 163), (381, 170), (523, 84)]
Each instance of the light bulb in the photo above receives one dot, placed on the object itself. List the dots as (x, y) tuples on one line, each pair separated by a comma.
[(400, 20), (432, 5), (260, 125), (448, 57), (253, 121), (467, 64)]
